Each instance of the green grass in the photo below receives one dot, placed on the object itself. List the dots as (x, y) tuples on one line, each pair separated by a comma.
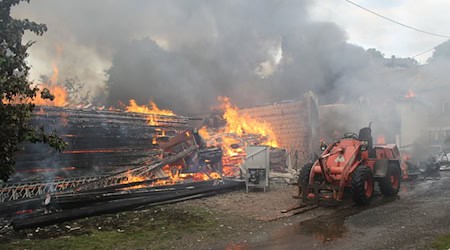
[(442, 242), (149, 230)]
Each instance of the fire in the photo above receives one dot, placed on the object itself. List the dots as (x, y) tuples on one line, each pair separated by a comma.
[(410, 94), (58, 91), (215, 175), (204, 133), (152, 109), (241, 124), (381, 139), (229, 171), (241, 130), (132, 178), (233, 149), (151, 121), (229, 145), (175, 176)]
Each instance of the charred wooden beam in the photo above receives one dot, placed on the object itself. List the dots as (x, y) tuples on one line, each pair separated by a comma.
[(95, 138), (123, 204), (119, 177)]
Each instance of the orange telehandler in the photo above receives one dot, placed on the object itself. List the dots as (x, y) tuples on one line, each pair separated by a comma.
[(352, 163)]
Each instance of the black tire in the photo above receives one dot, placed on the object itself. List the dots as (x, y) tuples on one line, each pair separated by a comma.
[(390, 184), (304, 175), (362, 185)]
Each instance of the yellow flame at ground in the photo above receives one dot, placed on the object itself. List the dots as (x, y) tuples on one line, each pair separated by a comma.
[(132, 178), (175, 176)]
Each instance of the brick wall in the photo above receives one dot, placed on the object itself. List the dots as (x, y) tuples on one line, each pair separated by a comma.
[(294, 123)]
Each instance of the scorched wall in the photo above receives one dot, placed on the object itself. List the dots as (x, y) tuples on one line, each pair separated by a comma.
[(294, 123)]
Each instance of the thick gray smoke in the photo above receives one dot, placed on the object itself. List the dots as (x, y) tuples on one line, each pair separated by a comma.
[(183, 54)]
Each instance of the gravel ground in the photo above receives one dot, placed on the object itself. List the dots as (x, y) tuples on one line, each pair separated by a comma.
[(219, 222), (410, 221), (241, 220)]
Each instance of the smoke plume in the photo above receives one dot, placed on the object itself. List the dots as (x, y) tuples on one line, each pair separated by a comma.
[(183, 54)]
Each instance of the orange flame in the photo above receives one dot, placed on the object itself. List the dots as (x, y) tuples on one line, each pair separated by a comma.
[(152, 109), (381, 139), (241, 124), (204, 133), (241, 130), (175, 176), (410, 94), (58, 91), (132, 178)]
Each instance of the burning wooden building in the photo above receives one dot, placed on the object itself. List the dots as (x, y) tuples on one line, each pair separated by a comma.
[(290, 128), (146, 149), (115, 160), (111, 144)]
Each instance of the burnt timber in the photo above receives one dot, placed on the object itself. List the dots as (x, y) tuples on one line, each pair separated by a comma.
[(124, 202), (106, 148), (99, 142)]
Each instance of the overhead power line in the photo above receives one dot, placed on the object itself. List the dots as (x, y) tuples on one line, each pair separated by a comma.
[(423, 53), (391, 20)]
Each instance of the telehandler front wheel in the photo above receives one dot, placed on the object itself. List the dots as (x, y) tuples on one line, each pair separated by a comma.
[(390, 184), (303, 179), (362, 185)]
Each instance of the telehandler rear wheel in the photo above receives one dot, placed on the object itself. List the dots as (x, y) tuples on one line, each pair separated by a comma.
[(390, 184), (362, 185)]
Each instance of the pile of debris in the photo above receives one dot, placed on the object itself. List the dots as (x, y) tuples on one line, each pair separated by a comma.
[(171, 163), (185, 171), (120, 160), (99, 142), (234, 153), (234, 130)]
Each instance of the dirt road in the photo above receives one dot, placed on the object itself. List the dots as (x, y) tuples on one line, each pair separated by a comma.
[(410, 221)]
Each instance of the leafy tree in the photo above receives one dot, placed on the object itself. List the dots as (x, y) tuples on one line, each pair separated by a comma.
[(76, 91), (376, 53), (16, 91), (407, 62)]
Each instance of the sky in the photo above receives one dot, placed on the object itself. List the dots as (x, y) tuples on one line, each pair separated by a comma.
[(370, 31)]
